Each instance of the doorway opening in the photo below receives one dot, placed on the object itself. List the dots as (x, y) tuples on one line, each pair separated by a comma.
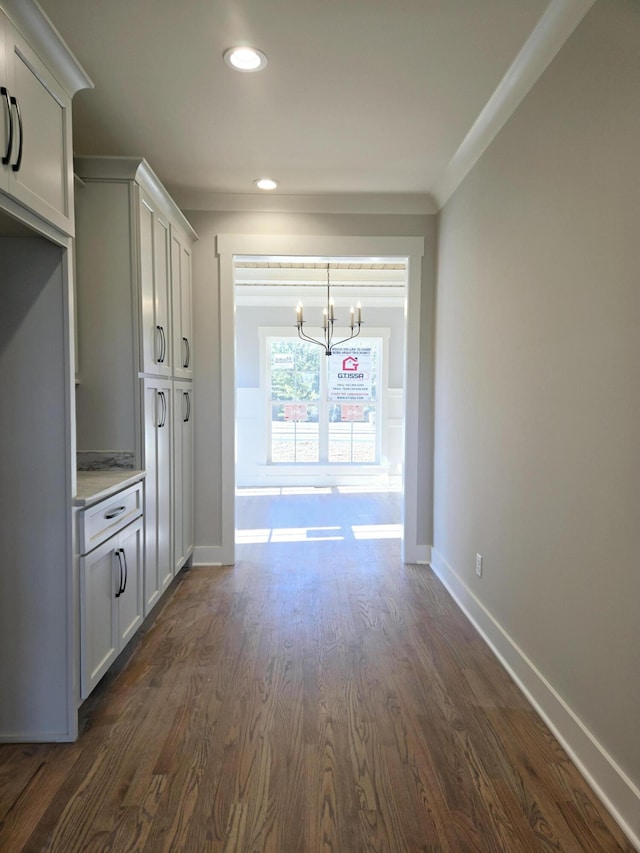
[(409, 250), (304, 417)]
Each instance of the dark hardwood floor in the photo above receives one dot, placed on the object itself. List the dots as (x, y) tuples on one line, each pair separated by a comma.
[(320, 696)]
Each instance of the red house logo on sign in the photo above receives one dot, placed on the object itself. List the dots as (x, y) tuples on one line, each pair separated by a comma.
[(350, 363)]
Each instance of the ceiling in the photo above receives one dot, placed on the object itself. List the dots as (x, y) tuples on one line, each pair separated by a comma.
[(392, 100)]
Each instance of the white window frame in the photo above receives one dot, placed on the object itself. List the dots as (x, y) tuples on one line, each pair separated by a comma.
[(331, 472)]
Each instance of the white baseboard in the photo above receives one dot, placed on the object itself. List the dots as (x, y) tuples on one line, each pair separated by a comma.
[(209, 555), (420, 554), (618, 793)]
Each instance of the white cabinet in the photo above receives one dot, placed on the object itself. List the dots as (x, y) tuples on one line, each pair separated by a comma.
[(111, 604), (133, 279), (155, 289), (39, 651), (157, 408), (36, 162), (182, 305), (6, 108), (183, 473)]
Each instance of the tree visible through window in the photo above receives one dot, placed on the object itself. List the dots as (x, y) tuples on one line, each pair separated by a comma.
[(295, 397)]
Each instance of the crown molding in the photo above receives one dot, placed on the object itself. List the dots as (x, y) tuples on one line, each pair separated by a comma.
[(417, 204), (90, 168), (34, 25), (553, 29)]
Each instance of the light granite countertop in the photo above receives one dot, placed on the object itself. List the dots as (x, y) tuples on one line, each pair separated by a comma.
[(94, 486)]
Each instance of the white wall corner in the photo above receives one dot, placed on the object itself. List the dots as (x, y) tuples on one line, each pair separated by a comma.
[(614, 788), (209, 555), (416, 554)]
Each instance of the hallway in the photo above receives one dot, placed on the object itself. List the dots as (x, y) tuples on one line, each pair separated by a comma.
[(318, 696)]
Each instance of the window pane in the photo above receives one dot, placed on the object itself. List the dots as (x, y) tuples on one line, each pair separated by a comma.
[(295, 370), (352, 434), (294, 433), (347, 433)]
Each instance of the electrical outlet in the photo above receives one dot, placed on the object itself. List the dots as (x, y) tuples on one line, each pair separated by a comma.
[(479, 565)]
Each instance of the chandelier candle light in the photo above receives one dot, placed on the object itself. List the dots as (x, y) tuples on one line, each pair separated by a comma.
[(328, 320)]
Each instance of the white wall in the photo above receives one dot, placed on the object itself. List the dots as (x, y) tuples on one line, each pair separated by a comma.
[(208, 224), (537, 409)]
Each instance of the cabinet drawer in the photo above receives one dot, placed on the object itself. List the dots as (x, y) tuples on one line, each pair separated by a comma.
[(107, 517)]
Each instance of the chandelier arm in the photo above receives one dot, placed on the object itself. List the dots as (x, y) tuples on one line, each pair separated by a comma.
[(350, 338), (310, 340)]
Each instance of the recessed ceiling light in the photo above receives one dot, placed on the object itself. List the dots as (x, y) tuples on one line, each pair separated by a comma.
[(245, 58), (266, 184)]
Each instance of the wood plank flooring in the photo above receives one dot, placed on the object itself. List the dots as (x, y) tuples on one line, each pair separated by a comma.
[(320, 696)]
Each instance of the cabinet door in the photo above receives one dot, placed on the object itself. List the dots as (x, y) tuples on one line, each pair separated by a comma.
[(158, 564), (162, 287), (183, 473), (4, 104), (40, 171), (99, 582), (130, 600), (182, 310), (155, 288), (165, 496)]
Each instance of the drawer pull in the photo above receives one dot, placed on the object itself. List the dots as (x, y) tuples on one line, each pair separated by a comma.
[(116, 512)]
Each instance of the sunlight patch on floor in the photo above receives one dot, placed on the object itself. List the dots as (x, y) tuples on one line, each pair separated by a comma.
[(264, 535), (259, 490), (377, 531), (364, 490), (272, 491)]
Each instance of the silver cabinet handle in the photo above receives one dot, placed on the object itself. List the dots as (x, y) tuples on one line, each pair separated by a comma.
[(116, 512), (187, 352)]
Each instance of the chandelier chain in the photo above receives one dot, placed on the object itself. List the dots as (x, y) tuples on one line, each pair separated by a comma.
[(328, 321)]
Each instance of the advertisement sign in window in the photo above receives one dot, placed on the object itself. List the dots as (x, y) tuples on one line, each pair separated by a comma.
[(295, 412), (351, 373), (282, 361), (351, 412)]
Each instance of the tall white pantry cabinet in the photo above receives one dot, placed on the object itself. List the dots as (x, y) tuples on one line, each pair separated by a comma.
[(39, 638), (134, 394)]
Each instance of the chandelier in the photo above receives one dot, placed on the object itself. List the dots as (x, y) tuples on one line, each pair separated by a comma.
[(328, 320)]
